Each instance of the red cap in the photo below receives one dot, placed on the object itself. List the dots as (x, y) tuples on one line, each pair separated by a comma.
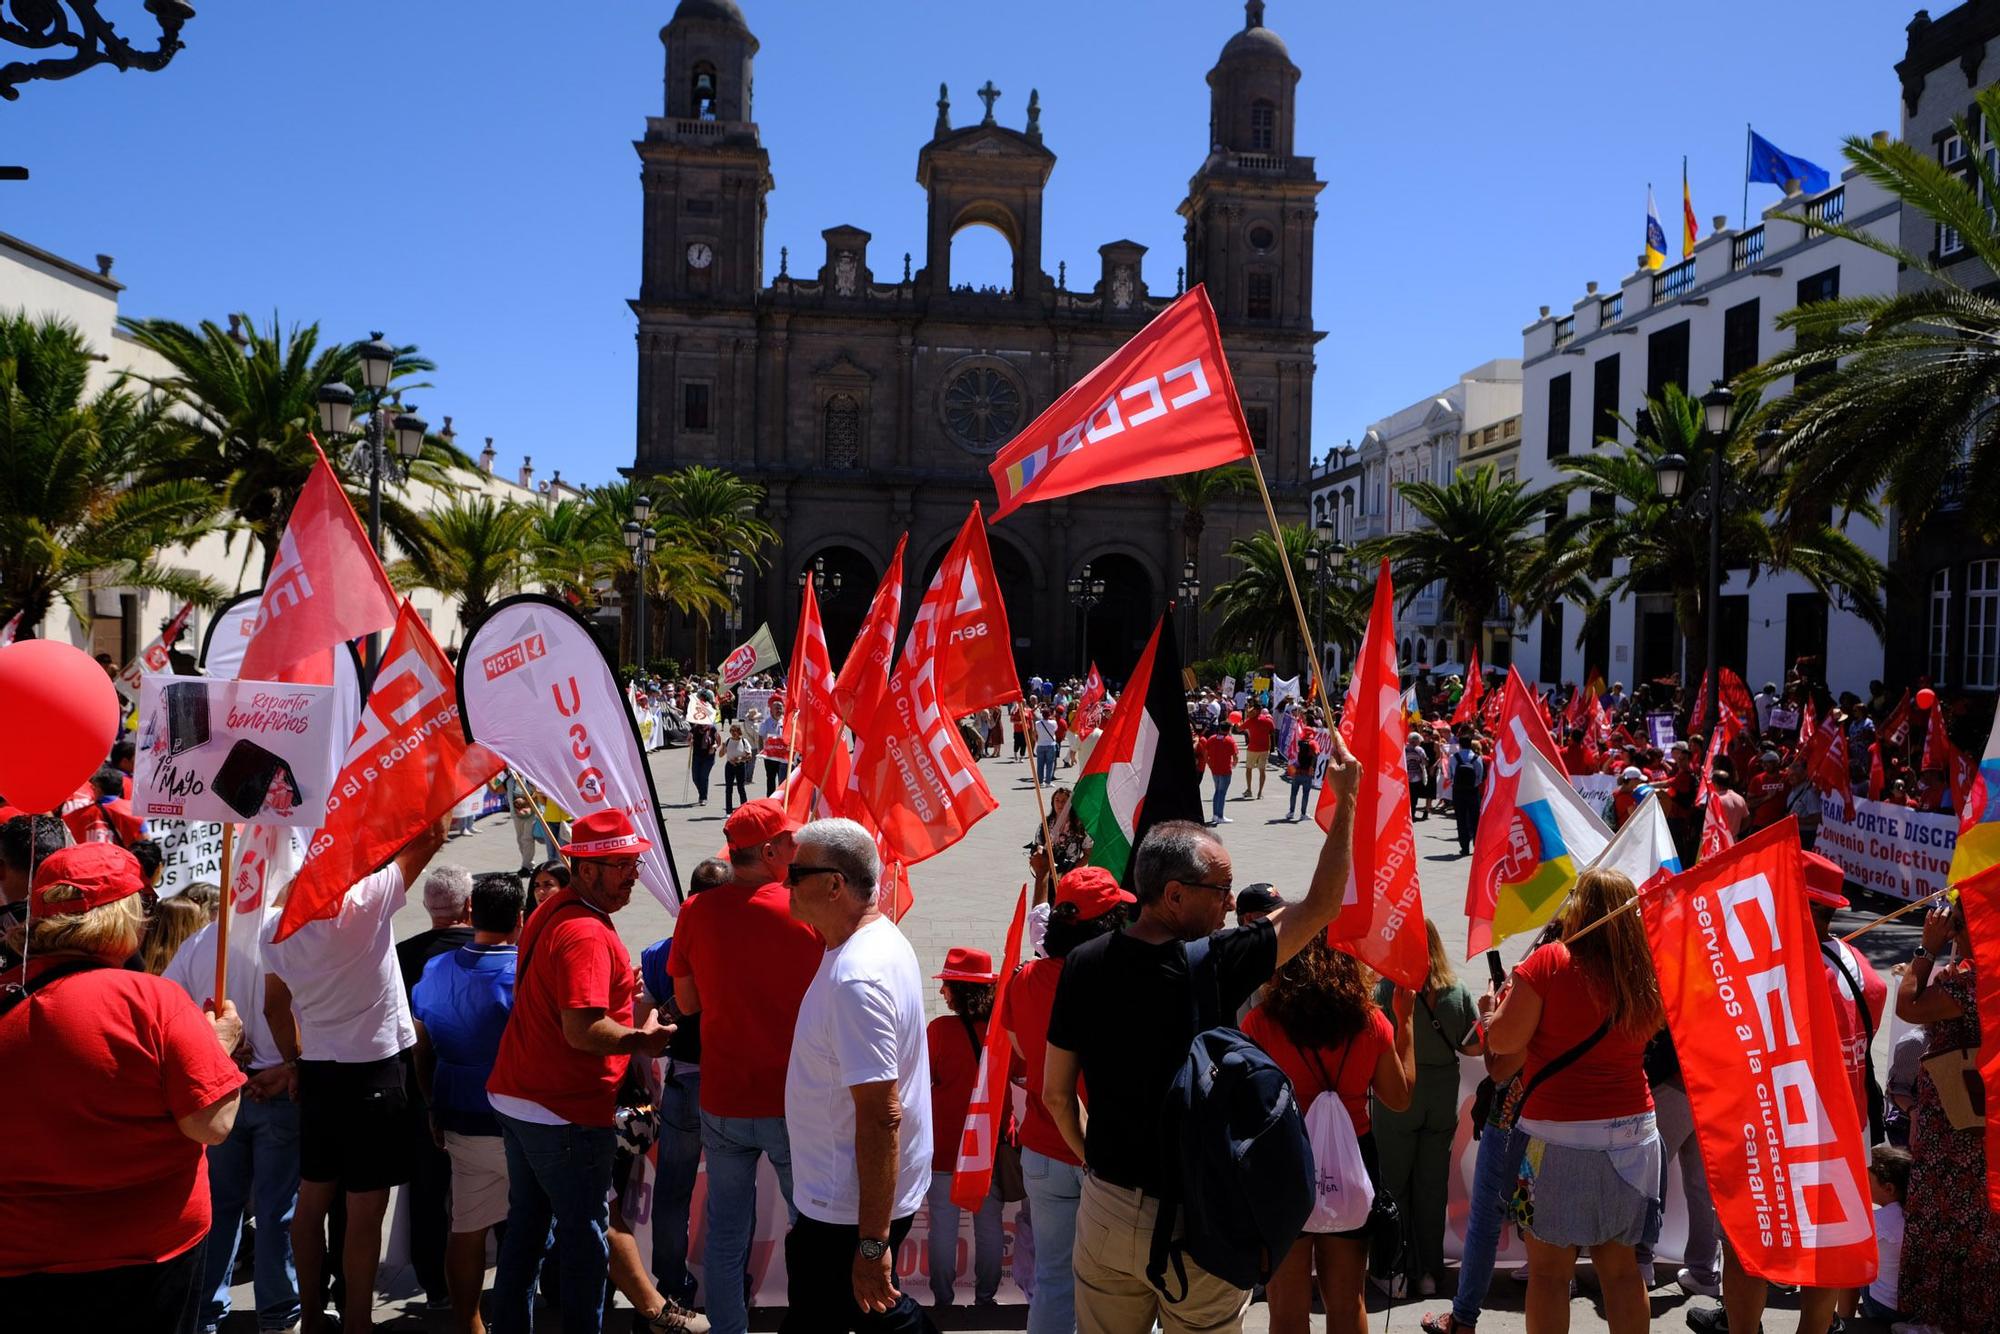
[(604, 834), (104, 872), (1094, 891), (964, 965), (1824, 880), (757, 822), (9, 812)]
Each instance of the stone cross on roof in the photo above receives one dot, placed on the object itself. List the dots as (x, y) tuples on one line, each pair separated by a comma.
[(989, 94)]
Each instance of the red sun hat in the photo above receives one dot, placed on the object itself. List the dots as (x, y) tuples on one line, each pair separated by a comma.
[(1824, 880), (964, 965), (103, 872), (756, 822), (604, 834), (1094, 891)]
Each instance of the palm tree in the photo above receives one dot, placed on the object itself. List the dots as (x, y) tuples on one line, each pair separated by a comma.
[(71, 515), (1897, 399), (1665, 546), (1194, 492), (251, 403), (1481, 539), (573, 546), (712, 512), (1256, 607), (472, 551)]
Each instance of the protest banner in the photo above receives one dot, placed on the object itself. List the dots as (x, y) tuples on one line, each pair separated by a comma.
[(1660, 730), (534, 688), (1886, 848), (190, 854), (760, 700), (233, 750)]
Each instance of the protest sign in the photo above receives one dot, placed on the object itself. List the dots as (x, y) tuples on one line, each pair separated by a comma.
[(1890, 849), (748, 699), (1660, 730), (233, 750), (1783, 720), (190, 854)]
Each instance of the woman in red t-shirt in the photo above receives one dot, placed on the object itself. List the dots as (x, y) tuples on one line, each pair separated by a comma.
[(955, 1042), (1592, 1161), (1319, 1023)]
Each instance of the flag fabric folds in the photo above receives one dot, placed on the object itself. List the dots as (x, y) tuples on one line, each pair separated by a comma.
[(1553, 835), (1381, 921), (987, 1115), (1090, 702), (1715, 835), (1475, 687), (1771, 164), (963, 619), (1980, 895), (407, 765), (1162, 404), (1643, 847), (1689, 228), (1750, 1012), (817, 737), (326, 586), (858, 688), (1142, 770), (1979, 815), (1520, 729), (750, 657), (1656, 235)]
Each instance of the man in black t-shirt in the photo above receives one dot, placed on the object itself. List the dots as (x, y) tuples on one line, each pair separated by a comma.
[(1123, 1020)]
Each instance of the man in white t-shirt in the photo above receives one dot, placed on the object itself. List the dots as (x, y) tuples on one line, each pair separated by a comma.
[(334, 1000), (857, 1095)]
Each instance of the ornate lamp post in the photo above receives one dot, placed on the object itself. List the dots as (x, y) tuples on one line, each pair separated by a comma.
[(641, 541), (1191, 595), (1670, 476), (83, 41), (826, 587), (1085, 592), (371, 450), (1324, 559), (733, 578)]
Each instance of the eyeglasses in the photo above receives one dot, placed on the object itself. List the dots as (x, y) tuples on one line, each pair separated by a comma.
[(798, 873), (1224, 890)]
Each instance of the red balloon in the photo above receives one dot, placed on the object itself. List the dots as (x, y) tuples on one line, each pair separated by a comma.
[(1926, 698), (59, 712), (1235, 717)]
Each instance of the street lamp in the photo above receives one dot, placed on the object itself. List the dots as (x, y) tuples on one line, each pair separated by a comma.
[(826, 587), (1670, 475), (1324, 557), (641, 541), (1085, 592), (1191, 595)]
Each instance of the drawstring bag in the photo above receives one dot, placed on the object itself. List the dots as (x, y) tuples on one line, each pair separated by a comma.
[(1343, 1194)]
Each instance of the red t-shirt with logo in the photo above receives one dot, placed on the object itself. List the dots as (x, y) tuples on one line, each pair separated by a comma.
[(1607, 1081), (99, 1175), (1348, 1070), (751, 963), (1767, 798), (570, 959), (1024, 1010), (1258, 731)]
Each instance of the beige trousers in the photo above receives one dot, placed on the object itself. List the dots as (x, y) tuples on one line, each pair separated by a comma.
[(1114, 1235)]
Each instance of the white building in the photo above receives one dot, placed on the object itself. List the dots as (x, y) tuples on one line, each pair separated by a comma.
[(1707, 318), (124, 620)]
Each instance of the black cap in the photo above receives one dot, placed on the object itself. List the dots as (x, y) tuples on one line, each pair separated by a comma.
[(1259, 897)]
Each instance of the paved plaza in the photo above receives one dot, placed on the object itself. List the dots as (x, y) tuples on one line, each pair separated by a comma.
[(966, 897)]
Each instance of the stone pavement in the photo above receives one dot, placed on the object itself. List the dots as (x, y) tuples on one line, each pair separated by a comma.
[(966, 896)]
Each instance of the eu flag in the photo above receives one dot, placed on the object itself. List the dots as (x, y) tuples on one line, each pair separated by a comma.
[(1770, 163)]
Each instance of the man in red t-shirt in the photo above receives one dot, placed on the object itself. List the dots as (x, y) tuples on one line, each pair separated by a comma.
[(1766, 790), (1258, 729), (554, 1084), (1218, 757), (741, 962)]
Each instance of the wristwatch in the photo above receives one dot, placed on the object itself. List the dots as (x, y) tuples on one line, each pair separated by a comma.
[(872, 1248), (1921, 953)]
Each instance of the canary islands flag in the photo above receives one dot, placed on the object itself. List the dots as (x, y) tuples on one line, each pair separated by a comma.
[(1656, 235), (1555, 834), (1979, 819)]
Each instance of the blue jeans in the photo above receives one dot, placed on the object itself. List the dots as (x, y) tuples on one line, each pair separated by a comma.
[(1493, 1176), (257, 1167), (1221, 793), (1045, 764), (1301, 797), (1054, 1187), (987, 1243), (679, 1156), (558, 1191), (733, 1145)]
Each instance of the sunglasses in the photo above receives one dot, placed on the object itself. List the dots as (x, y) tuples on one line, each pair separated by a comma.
[(798, 873), (1224, 890)]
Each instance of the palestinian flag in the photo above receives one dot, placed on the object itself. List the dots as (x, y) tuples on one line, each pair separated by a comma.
[(1142, 772)]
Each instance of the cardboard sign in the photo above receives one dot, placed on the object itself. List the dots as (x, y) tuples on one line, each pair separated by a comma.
[(233, 750), (190, 854)]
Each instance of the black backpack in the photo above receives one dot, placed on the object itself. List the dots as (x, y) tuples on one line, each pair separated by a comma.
[(1238, 1168), (1465, 774)]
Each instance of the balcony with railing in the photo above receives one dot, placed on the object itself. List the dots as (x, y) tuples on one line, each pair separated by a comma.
[(1566, 331), (1830, 207), (1746, 250), (1670, 284), (1610, 310)]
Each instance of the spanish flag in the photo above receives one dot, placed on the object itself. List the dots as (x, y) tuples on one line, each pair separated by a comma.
[(1656, 235), (1688, 227)]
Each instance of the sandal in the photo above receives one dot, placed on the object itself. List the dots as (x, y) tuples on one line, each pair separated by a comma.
[(1444, 1323)]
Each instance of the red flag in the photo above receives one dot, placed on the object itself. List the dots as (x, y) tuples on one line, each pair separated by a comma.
[(1162, 404), (407, 765), (1090, 704), (1807, 728), (865, 674), (1580, 702), (1752, 1016), (1877, 779), (1980, 896), (1381, 922), (1736, 696), (1700, 705), (816, 728), (1475, 687), (326, 587), (987, 1116), (1521, 726), (963, 618), (1826, 764), (1489, 708), (1895, 729), (1715, 835)]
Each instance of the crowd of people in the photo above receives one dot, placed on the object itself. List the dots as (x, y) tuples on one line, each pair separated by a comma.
[(510, 1065)]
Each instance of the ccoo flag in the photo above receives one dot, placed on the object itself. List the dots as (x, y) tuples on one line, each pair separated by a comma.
[(1160, 405)]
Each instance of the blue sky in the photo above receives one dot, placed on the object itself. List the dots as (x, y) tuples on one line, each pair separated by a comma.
[(461, 175)]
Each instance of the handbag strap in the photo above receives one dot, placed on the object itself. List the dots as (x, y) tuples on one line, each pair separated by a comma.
[(1553, 1068)]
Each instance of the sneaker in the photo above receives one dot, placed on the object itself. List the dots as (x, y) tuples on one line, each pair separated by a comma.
[(1710, 1320), (1225, 820), (677, 1319), (1694, 1285)]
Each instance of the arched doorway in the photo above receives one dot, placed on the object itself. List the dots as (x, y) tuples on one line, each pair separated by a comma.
[(1017, 591), (981, 262), (848, 587), (1119, 625)]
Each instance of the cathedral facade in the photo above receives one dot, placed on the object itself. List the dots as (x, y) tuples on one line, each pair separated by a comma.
[(868, 393)]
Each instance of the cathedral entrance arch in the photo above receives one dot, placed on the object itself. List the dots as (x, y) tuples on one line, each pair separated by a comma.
[(848, 586), (1121, 622), (984, 258)]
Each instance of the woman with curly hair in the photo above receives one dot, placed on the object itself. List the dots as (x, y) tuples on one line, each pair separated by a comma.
[(1320, 1024), (1590, 1168)]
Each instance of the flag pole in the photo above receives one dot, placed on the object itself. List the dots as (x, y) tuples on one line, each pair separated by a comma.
[(1886, 918), (222, 916), (1048, 838), (555, 851), (1291, 583), (1743, 217)]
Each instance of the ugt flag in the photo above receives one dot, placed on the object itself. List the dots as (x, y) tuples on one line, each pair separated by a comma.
[(1502, 839), (1551, 835), (1160, 405), (1142, 770), (1752, 1016)]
